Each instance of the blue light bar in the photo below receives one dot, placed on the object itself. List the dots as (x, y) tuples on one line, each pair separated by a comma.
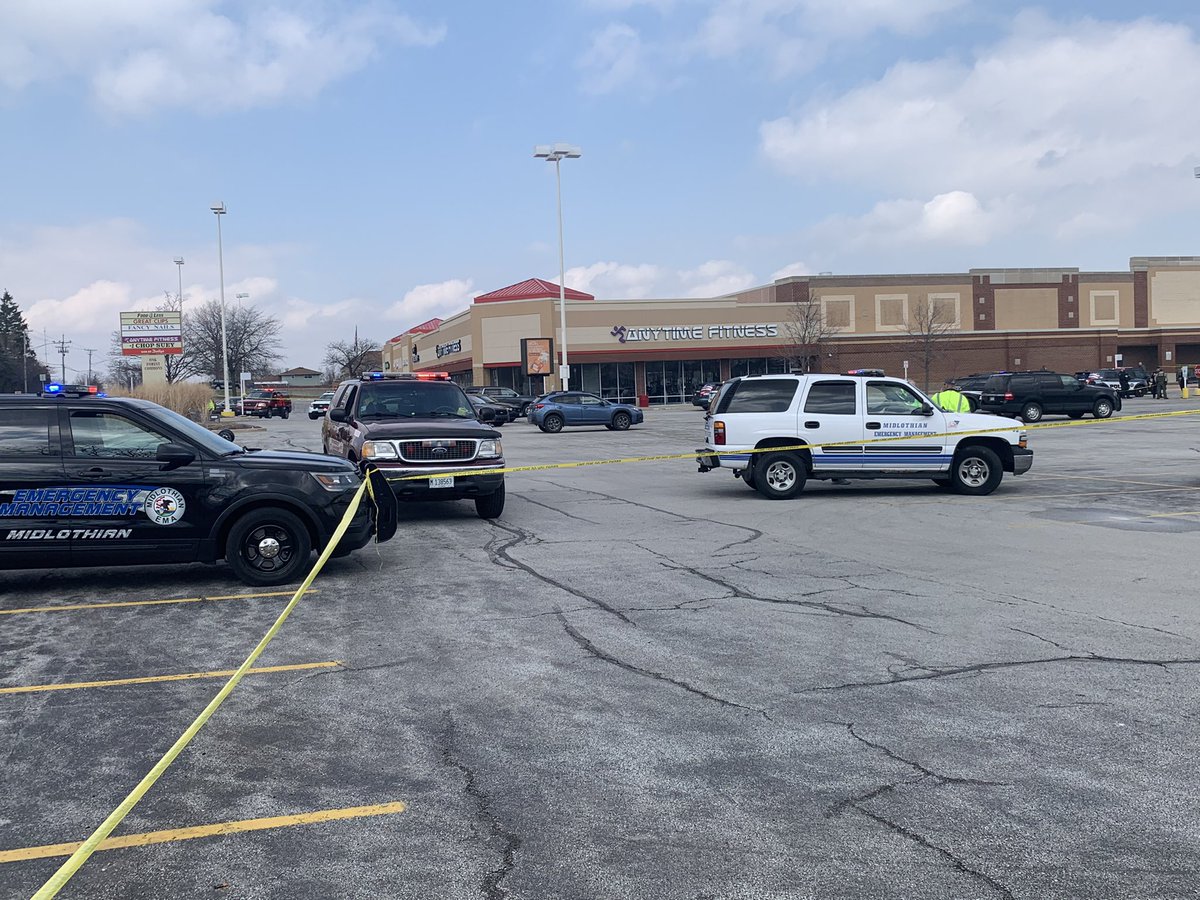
[(52, 388)]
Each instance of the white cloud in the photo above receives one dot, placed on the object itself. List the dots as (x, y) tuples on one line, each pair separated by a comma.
[(715, 278), (437, 300), (796, 268), (786, 36), (1045, 129), (615, 280), (613, 60), (1052, 104), (142, 55)]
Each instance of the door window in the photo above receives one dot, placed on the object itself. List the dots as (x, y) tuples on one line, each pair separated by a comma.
[(1069, 382), (590, 401), (773, 395), (107, 435), (835, 398), (24, 433), (886, 398)]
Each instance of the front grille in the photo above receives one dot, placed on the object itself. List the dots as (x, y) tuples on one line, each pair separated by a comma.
[(437, 450)]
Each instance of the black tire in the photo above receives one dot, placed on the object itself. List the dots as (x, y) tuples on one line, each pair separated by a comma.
[(1103, 408), (1031, 412), (976, 471), (525, 408), (748, 477), (780, 476), (228, 435), (285, 413), (553, 423), (259, 563), (490, 506), (621, 421), (314, 416), (1075, 415)]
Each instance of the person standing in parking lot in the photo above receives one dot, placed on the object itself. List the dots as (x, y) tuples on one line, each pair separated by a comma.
[(950, 400), (1160, 384)]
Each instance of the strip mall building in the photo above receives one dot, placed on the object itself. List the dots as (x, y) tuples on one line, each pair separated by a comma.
[(661, 350)]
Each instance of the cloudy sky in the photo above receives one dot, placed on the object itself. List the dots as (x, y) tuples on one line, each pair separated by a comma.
[(376, 155)]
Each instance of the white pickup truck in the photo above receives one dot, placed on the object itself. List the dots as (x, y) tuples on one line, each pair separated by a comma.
[(777, 431)]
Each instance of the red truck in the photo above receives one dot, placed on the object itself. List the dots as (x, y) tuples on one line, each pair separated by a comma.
[(265, 404)]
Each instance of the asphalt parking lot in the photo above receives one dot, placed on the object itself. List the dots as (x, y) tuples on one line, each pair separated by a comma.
[(647, 682)]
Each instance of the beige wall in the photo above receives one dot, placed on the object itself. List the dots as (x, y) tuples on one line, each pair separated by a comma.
[(1091, 296), (501, 336), (1174, 296), (1019, 309)]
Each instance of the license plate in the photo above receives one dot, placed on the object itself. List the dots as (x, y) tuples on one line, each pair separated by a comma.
[(442, 481)]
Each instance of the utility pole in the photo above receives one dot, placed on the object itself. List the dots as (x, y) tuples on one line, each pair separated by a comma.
[(89, 351), (62, 345)]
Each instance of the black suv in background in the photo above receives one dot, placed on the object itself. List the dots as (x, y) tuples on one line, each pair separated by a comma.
[(93, 481), (423, 433), (506, 395), (1031, 395)]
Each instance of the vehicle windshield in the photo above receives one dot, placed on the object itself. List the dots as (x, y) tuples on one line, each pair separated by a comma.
[(198, 434), (413, 400)]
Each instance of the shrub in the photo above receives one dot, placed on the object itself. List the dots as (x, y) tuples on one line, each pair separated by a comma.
[(187, 398)]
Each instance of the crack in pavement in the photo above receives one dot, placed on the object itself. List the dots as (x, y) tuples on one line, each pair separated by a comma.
[(561, 512), (509, 842), (740, 593), (501, 552), (958, 863), (1044, 640), (595, 651), (924, 771), (936, 672), (755, 534)]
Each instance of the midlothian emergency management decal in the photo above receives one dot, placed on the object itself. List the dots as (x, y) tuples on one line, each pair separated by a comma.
[(163, 506)]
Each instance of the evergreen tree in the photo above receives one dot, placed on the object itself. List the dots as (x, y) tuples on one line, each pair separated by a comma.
[(17, 361)]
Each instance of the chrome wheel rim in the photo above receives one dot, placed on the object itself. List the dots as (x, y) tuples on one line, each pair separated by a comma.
[(780, 476), (974, 472), (269, 548)]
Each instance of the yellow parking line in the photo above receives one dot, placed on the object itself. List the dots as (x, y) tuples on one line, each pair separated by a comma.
[(1194, 512), (201, 831), (1107, 478), (154, 679), (67, 607)]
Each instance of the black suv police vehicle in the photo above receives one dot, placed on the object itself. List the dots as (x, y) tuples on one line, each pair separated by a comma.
[(1031, 395), (423, 434), (87, 480)]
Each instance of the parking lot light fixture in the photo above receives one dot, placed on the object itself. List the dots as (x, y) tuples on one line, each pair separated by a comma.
[(555, 153), (218, 209)]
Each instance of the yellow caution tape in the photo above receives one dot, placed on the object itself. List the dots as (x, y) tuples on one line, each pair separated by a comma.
[(730, 451), (64, 873)]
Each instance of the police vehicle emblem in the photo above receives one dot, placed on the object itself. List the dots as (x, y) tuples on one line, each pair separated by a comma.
[(164, 506)]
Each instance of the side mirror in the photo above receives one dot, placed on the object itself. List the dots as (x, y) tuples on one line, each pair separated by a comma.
[(486, 414), (337, 415), (926, 409), (174, 455)]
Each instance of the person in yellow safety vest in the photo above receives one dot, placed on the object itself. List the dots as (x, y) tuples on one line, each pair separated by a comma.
[(950, 400)]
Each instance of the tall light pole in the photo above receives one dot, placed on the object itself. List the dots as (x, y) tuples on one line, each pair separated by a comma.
[(555, 153), (179, 266), (218, 209)]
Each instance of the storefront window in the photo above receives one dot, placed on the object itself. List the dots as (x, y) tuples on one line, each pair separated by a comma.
[(768, 365), (613, 381), (511, 377)]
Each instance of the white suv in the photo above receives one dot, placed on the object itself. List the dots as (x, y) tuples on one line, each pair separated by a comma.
[(852, 426)]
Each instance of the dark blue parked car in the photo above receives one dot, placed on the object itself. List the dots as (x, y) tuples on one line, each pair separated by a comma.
[(555, 411)]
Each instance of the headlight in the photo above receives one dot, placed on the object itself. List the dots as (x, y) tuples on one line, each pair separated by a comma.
[(336, 481), (379, 450), (489, 450)]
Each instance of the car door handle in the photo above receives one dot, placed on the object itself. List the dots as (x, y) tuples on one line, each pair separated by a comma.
[(874, 425), (813, 424), (93, 472)]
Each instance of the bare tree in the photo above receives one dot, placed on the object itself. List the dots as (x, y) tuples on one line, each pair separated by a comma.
[(350, 359), (253, 340), (928, 328), (125, 371), (805, 331)]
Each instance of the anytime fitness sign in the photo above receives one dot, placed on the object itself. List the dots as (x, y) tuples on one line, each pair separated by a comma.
[(693, 332)]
